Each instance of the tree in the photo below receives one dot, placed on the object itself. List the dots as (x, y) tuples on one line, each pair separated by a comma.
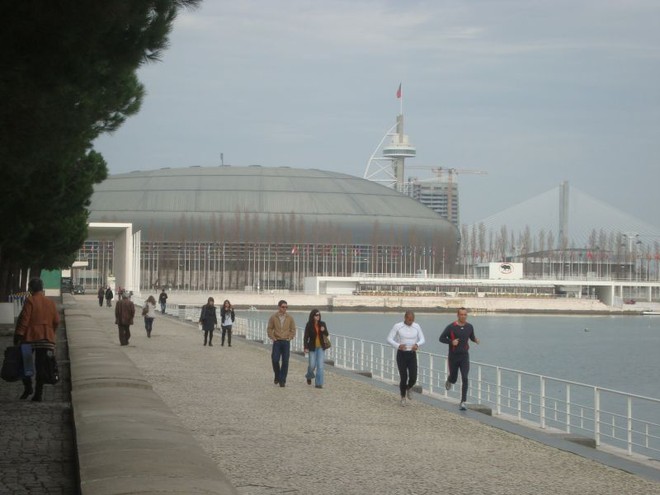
[(67, 74)]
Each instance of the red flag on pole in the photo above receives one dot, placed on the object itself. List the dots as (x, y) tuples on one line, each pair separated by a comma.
[(398, 91)]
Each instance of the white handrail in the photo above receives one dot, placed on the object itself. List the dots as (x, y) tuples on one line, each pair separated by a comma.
[(621, 420)]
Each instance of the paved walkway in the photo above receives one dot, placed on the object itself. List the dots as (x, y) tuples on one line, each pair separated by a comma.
[(351, 437), (37, 453)]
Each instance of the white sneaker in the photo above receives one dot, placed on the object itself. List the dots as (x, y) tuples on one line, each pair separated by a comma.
[(409, 394), (462, 407), (403, 402), (447, 385)]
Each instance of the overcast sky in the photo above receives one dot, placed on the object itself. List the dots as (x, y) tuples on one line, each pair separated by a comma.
[(534, 92)]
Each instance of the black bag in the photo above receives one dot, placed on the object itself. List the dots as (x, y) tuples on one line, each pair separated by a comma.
[(12, 365), (51, 373)]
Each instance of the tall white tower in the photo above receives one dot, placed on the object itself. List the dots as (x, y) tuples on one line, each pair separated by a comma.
[(387, 162)]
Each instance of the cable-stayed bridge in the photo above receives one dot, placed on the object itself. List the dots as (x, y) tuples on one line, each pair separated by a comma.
[(577, 214)]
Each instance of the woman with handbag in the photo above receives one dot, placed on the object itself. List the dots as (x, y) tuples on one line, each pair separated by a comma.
[(37, 325), (208, 319), (149, 313), (315, 342)]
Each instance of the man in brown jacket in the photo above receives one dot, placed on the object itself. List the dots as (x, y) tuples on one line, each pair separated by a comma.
[(124, 313), (37, 325), (281, 330)]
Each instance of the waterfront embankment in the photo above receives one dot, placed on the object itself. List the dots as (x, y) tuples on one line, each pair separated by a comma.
[(268, 300), (347, 438)]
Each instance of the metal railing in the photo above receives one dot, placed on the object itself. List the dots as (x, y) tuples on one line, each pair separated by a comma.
[(624, 421)]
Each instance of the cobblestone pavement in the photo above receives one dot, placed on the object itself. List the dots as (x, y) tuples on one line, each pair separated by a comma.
[(36, 438), (350, 437)]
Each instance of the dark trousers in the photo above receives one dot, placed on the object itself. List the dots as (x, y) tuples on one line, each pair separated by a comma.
[(100, 302), (226, 329), (148, 325), (124, 334), (460, 362), (281, 351), (406, 361), (208, 336)]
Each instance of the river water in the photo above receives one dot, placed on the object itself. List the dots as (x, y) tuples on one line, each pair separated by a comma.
[(616, 352)]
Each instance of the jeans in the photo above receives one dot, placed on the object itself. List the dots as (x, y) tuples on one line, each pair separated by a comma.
[(148, 325), (316, 361), (406, 361), (281, 350), (162, 307)]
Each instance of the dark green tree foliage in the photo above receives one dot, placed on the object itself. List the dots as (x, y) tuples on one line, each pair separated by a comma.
[(67, 74)]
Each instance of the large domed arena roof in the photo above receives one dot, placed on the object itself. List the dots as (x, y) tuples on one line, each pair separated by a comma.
[(263, 204)]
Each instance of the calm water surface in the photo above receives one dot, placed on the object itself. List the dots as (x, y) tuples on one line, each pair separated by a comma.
[(617, 352)]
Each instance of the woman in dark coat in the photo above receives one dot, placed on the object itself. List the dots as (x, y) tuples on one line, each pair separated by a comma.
[(209, 320)]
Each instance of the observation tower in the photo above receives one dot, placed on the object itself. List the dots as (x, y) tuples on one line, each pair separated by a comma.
[(387, 163)]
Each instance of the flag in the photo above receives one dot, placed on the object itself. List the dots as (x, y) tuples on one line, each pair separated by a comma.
[(398, 91)]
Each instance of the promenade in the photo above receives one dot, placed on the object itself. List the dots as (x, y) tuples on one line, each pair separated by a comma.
[(133, 404), (351, 437)]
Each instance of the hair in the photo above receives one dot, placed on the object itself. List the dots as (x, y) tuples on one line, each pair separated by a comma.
[(151, 300), (311, 315), (35, 285), (210, 300), (282, 301), (409, 312), (226, 302), (461, 309)]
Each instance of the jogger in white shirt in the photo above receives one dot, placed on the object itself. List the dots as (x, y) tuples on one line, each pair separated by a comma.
[(407, 337)]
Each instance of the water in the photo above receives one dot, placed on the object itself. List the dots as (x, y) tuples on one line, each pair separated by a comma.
[(617, 352)]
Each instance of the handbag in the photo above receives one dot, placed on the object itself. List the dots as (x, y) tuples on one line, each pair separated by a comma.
[(145, 310), (326, 342), (12, 364)]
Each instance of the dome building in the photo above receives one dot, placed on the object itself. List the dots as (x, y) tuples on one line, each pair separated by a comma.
[(265, 228)]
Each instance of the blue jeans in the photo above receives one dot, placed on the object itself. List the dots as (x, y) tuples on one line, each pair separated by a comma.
[(281, 350), (316, 360)]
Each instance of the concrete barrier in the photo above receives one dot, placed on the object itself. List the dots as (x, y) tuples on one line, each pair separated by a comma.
[(128, 440)]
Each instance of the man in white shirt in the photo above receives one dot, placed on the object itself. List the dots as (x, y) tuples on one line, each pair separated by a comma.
[(406, 337)]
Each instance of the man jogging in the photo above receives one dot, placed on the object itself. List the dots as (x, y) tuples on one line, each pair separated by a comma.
[(456, 335)]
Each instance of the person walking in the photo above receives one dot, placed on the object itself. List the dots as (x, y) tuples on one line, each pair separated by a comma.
[(314, 344), (209, 320), (162, 300), (101, 295), (281, 330), (149, 314), (36, 325), (124, 314), (456, 336), (406, 336), (108, 297), (227, 318)]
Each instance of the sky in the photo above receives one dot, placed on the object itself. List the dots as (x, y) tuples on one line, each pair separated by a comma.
[(533, 92)]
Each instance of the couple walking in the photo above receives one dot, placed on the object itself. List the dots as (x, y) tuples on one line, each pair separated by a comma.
[(208, 320), (282, 330)]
